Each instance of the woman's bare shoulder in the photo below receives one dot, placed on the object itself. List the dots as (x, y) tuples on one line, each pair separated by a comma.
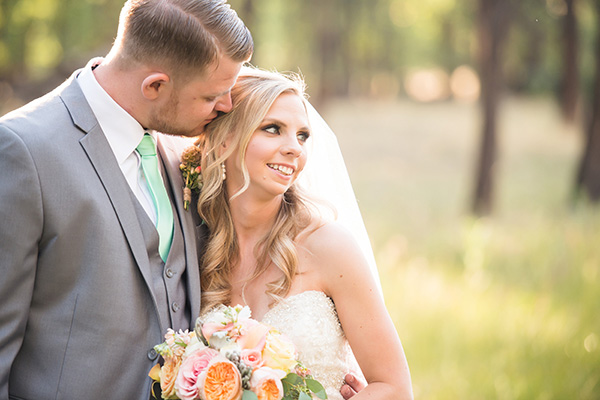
[(331, 244), (326, 237)]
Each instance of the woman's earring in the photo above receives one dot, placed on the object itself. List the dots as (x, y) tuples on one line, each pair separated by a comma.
[(224, 171)]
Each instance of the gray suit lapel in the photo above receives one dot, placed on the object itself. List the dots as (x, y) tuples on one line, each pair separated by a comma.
[(171, 160), (99, 152), (101, 157)]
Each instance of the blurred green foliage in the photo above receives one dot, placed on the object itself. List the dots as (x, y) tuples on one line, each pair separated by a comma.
[(39, 36), (344, 47)]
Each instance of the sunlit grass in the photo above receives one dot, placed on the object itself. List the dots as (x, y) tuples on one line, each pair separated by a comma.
[(504, 307), (497, 324)]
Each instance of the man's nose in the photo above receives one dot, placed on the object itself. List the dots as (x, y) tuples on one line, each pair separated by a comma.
[(224, 103)]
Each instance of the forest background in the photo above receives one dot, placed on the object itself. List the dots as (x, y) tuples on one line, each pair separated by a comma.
[(469, 128)]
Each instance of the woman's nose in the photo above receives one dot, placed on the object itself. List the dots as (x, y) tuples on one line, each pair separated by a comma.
[(292, 147)]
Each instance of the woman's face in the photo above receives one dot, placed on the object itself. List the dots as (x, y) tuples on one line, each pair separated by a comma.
[(276, 152)]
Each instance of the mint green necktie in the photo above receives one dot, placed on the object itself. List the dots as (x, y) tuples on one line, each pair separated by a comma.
[(164, 213)]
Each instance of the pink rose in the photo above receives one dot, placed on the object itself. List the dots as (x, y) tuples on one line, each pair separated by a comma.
[(266, 383), (252, 358), (191, 367)]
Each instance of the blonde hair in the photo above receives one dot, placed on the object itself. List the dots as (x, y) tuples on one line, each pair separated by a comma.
[(252, 96), (183, 36)]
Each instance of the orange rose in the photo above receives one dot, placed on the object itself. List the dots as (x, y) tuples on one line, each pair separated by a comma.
[(266, 383), (220, 381)]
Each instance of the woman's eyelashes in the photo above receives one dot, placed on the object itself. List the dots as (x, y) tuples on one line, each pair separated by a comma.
[(276, 130), (272, 128), (303, 136)]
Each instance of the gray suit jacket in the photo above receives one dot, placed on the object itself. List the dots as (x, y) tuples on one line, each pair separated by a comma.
[(78, 318)]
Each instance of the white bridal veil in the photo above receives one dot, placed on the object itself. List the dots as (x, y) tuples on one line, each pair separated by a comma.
[(326, 177)]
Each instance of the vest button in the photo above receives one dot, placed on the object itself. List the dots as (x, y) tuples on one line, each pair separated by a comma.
[(152, 355), (175, 307), (169, 272)]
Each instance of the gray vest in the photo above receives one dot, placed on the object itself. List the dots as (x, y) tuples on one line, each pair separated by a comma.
[(168, 279)]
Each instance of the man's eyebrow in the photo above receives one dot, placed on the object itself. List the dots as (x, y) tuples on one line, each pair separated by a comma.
[(219, 94)]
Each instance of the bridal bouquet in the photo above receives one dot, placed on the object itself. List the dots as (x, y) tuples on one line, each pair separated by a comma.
[(231, 356)]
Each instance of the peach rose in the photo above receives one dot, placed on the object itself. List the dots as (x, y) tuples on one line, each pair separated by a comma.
[(266, 383), (279, 352), (254, 337), (192, 366), (220, 381), (210, 328), (168, 375)]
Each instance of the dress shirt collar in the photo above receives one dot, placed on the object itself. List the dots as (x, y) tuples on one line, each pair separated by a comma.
[(122, 131)]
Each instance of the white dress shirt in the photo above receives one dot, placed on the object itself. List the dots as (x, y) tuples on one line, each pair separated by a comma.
[(123, 133)]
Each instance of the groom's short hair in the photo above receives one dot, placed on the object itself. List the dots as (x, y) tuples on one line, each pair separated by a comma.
[(185, 36)]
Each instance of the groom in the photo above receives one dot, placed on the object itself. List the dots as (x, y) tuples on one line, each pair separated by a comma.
[(97, 256)]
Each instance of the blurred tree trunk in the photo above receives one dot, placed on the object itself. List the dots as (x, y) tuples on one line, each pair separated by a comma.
[(588, 176), (447, 44), (569, 92), (492, 26), (534, 36), (351, 10), (328, 18)]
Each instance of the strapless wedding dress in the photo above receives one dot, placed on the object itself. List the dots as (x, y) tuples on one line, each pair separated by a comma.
[(310, 320)]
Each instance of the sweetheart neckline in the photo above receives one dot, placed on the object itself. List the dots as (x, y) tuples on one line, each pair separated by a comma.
[(292, 297), (284, 301)]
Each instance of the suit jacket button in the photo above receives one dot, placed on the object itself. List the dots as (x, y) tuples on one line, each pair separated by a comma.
[(169, 272), (175, 307), (152, 355)]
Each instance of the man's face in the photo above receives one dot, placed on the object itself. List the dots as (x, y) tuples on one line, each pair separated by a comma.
[(195, 104)]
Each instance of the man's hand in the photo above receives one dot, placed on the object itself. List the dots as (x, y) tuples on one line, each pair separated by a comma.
[(352, 386)]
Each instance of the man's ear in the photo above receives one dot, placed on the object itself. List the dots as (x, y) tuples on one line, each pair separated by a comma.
[(155, 84)]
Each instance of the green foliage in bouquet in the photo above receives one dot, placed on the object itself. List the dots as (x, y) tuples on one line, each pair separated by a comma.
[(300, 387)]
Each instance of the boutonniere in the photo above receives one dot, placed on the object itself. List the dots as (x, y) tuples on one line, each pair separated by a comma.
[(191, 171)]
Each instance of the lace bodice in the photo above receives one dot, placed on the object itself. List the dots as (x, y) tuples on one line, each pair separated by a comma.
[(310, 320)]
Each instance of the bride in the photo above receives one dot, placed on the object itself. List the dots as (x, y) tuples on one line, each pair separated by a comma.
[(270, 248)]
